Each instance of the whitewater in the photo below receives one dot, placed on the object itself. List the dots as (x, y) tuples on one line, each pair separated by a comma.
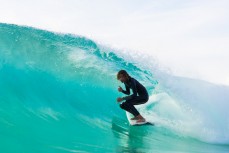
[(58, 94)]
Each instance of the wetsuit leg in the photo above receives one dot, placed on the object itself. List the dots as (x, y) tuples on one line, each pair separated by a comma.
[(129, 104)]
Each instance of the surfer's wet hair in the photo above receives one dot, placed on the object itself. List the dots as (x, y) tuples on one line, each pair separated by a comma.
[(124, 73)]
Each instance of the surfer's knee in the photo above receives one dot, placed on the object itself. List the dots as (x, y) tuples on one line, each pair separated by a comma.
[(123, 105)]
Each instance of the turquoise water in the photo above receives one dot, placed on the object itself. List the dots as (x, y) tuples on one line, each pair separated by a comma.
[(58, 94)]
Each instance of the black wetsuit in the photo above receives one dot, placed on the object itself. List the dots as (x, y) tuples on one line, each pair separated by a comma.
[(139, 96)]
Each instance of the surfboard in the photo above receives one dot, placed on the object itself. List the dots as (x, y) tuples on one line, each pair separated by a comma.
[(135, 123)]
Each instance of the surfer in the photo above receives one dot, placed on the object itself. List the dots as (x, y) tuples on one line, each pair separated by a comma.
[(139, 96)]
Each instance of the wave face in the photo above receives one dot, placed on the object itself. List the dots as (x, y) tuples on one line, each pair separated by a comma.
[(58, 94)]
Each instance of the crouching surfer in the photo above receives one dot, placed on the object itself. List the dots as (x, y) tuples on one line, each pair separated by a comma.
[(139, 96)]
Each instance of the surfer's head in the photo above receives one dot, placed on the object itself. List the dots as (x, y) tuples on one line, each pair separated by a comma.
[(123, 76)]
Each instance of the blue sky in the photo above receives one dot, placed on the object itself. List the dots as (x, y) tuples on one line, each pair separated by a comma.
[(191, 37)]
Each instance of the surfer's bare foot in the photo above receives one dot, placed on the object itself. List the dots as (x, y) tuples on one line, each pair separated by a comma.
[(141, 120), (135, 118)]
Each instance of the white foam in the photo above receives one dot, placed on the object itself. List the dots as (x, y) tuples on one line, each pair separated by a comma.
[(190, 108)]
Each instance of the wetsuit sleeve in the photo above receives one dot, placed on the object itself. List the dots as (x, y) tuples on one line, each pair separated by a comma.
[(134, 88), (127, 91)]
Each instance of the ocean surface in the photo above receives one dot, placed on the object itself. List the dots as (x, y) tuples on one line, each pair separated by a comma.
[(58, 95)]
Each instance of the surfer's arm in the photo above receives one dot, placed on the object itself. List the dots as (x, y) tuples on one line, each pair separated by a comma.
[(127, 91), (134, 88)]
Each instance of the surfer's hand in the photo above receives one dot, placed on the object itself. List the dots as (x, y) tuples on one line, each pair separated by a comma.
[(119, 99), (120, 89)]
